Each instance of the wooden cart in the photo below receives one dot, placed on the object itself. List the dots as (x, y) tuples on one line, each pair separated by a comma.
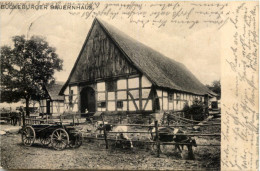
[(58, 135)]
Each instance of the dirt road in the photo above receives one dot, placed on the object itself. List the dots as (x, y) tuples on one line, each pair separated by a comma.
[(90, 155)]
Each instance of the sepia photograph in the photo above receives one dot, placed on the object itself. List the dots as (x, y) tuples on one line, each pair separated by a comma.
[(127, 85)]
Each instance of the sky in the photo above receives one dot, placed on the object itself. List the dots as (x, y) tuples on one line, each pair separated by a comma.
[(198, 49)]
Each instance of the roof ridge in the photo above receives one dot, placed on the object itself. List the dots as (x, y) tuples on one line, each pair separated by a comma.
[(133, 39)]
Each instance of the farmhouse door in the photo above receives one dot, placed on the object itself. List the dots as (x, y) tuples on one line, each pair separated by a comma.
[(88, 100), (48, 106)]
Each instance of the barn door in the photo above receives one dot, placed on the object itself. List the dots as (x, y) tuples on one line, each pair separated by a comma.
[(88, 100), (48, 107)]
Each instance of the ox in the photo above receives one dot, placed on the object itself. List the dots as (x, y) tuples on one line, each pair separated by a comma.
[(121, 138), (165, 137)]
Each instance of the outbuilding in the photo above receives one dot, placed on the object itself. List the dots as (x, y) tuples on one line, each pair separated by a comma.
[(52, 103)]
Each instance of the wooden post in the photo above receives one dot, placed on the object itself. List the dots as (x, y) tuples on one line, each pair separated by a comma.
[(168, 119), (105, 133), (19, 119), (190, 152), (23, 119), (73, 119), (157, 138), (60, 119)]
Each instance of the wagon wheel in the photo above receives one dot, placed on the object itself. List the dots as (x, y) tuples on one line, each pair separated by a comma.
[(45, 141), (77, 141), (28, 136), (59, 139)]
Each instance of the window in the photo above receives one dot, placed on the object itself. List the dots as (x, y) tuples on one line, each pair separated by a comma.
[(119, 104), (102, 104)]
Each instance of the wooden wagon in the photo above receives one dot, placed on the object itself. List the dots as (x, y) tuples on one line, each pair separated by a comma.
[(58, 135)]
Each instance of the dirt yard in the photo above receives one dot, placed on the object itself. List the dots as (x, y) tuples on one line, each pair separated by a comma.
[(93, 155)]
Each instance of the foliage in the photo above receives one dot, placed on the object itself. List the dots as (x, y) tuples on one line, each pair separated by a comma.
[(215, 87), (26, 67), (196, 111)]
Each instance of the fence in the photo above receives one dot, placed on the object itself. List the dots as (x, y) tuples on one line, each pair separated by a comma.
[(32, 120), (156, 141)]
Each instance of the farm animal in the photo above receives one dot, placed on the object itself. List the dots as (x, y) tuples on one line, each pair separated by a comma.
[(100, 126), (165, 137), (123, 136), (119, 136), (14, 118)]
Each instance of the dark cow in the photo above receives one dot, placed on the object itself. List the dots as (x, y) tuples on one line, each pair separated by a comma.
[(100, 126), (165, 137), (14, 118)]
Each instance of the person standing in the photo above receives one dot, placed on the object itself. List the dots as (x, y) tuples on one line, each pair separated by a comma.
[(21, 113)]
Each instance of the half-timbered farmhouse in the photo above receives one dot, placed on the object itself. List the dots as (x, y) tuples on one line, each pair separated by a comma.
[(115, 73), (53, 103)]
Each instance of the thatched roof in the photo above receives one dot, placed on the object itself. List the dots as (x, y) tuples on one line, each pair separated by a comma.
[(159, 69), (54, 89)]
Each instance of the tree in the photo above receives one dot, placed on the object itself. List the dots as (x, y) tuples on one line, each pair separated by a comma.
[(26, 67), (215, 87)]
